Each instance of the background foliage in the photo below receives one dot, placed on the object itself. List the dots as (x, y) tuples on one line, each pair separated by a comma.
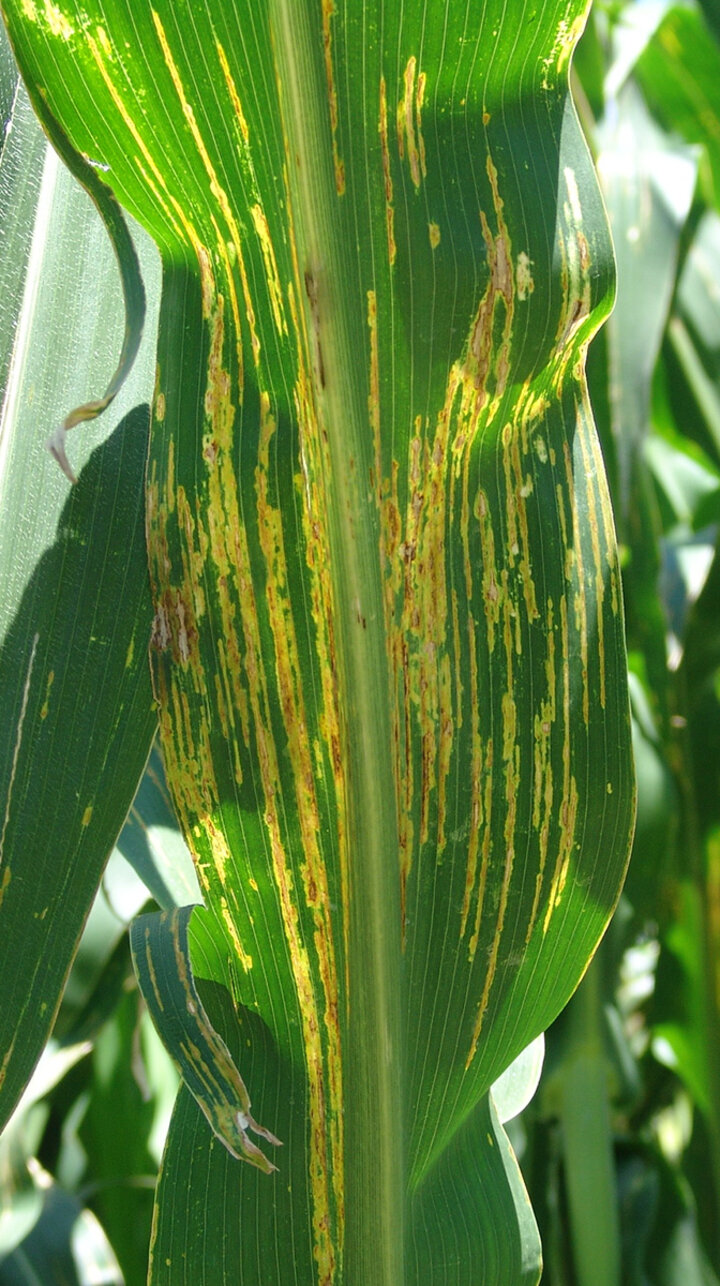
[(620, 1146)]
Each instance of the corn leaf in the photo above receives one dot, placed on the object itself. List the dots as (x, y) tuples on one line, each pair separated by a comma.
[(388, 648), (75, 610)]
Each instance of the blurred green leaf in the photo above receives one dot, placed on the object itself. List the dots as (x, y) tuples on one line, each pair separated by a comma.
[(66, 1246), (648, 181), (21, 1195), (124, 1103), (678, 72)]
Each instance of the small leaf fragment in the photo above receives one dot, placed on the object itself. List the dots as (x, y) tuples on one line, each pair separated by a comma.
[(161, 955)]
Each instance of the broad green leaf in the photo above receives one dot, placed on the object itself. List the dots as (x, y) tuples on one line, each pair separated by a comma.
[(687, 485), (388, 644), (75, 610), (680, 1031), (470, 1187)]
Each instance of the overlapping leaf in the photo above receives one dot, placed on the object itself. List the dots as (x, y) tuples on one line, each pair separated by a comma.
[(388, 637), (75, 607)]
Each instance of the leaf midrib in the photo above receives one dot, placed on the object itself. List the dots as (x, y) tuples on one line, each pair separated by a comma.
[(372, 1056)]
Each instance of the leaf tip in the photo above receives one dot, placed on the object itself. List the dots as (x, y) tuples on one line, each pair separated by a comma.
[(56, 447)]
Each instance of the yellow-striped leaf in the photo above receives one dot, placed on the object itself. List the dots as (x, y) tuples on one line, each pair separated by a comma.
[(388, 647)]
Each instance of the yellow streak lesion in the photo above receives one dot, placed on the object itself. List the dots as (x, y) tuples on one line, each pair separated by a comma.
[(106, 43), (478, 819), (518, 486), (154, 175), (554, 63), (190, 764), (260, 224), (328, 12), (524, 282), (511, 772), (315, 465), (569, 791), (511, 780), (387, 176), (216, 187), (421, 605), (579, 594), (491, 579), (5, 882), (543, 777), (289, 681), (486, 354), (374, 389), (322, 1031), (595, 474), (232, 90), (409, 123), (51, 679)]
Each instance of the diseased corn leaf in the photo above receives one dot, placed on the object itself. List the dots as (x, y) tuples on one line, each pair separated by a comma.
[(161, 955), (473, 1186), (388, 637), (75, 609)]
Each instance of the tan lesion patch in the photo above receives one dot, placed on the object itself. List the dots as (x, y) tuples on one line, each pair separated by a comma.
[(409, 122), (524, 283), (54, 17)]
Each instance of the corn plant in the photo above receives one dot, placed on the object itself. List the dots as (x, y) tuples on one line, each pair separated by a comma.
[(383, 618)]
